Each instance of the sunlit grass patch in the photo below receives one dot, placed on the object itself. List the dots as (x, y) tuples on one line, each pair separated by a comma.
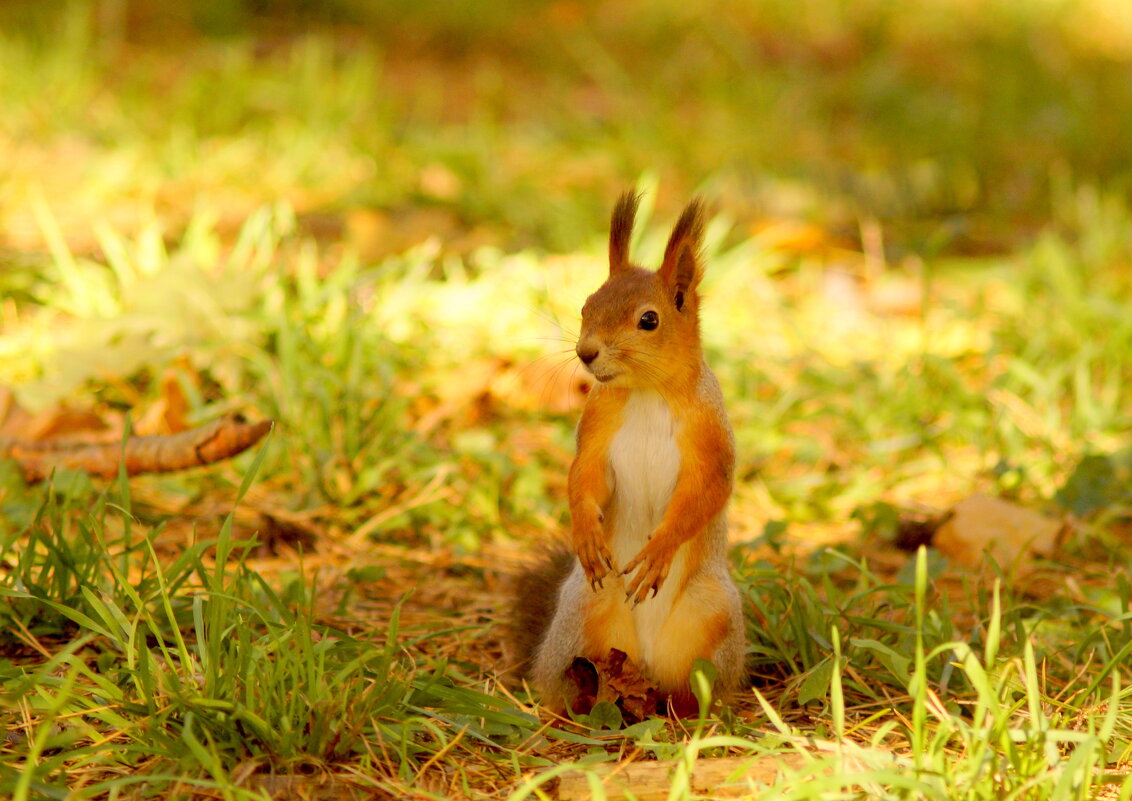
[(195, 659)]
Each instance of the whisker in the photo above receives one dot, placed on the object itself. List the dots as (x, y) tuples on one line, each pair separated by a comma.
[(547, 317), (554, 354), (646, 364), (547, 382)]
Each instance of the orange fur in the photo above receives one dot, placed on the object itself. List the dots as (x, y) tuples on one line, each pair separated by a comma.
[(589, 484), (608, 624), (650, 482), (701, 633)]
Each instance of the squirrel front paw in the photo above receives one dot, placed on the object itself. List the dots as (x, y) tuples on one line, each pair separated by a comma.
[(651, 566), (590, 546)]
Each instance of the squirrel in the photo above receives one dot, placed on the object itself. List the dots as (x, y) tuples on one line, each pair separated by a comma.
[(647, 570)]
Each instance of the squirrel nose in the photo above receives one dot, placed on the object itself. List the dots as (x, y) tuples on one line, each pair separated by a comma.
[(587, 353)]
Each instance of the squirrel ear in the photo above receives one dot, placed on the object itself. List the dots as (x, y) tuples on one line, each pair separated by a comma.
[(621, 231), (681, 269)]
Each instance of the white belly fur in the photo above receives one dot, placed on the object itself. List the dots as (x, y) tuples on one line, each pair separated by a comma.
[(645, 461)]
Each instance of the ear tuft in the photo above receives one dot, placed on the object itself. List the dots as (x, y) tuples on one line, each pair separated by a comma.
[(682, 267), (621, 230)]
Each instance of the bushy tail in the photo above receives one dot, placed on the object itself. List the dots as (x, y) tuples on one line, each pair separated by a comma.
[(534, 597)]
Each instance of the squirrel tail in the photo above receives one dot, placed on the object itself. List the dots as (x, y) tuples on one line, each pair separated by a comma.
[(534, 598)]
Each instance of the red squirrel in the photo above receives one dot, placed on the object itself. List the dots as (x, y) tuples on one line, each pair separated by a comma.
[(648, 572)]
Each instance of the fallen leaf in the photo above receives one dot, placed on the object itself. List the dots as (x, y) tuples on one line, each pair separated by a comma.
[(793, 236), (169, 413), (1006, 532), (469, 393), (7, 405), (617, 679), (58, 421), (545, 385)]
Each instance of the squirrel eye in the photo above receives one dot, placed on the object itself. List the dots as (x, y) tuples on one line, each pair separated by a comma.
[(649, 321)]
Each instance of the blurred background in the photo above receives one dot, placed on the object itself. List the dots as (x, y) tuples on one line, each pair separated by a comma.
[(953, 125)]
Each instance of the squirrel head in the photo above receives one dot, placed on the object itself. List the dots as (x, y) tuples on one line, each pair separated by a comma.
[(641, 329)]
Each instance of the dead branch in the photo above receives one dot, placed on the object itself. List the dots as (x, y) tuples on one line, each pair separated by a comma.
[(159, 453)]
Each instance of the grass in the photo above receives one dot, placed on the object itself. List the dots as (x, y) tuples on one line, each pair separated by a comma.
[(394, 278)]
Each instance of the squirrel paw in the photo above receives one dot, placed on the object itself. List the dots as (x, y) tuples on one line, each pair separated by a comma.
[(593, 552), (651, 566)]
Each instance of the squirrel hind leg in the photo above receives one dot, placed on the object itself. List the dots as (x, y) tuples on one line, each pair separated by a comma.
[(585, 624), (699, 630)]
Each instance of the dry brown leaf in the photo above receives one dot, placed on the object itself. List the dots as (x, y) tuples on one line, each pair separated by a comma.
[(547, 384), (462, 395), (469, 393), (1007, 532), (169, 413), (793, 236), (7, 406), (617, 679), (60, 421)]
